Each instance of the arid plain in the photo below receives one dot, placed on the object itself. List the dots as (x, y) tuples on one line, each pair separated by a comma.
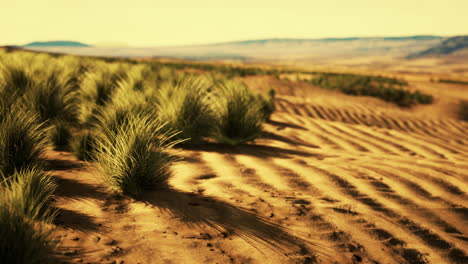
[(333, 179)]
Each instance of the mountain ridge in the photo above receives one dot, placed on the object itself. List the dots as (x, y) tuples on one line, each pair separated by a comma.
[(56, 43), (279, 40), (446, 47)]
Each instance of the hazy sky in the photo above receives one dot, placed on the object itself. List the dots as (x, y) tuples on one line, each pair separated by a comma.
[(180, 22)]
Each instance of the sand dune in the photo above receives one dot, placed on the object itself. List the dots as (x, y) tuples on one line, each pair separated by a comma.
[(334, 179)]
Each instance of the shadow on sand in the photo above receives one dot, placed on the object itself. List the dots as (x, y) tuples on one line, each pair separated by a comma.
[(201, 211), (261, 151)]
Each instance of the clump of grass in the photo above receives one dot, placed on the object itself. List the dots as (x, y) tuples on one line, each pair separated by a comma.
[(133, 156), (83, 146), (101, 81), (15, 79), (23, 240), (23, 140), (97, 88), (29, 191), (24, 212), (463, 112), (239, 114), (53, 97), (185, 107), (59, 133), (268, 104)]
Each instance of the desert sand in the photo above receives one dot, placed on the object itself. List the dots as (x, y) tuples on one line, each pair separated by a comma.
[(334, 179)]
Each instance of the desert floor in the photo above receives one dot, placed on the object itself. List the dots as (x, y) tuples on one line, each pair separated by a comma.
[(334, 179)]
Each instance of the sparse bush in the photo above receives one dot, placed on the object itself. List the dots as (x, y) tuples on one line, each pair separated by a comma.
[(185, 107), (23, 140), (24, 211), (463, 112), (239, 114), (133, 156)]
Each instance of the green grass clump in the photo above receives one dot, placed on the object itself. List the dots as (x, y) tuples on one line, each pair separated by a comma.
[(23, 140), (53, 98), (23, 240), (24, 212), (97, 88), (185, 107), (15, 79), (267, 104), (133, 156), (239, 114), (28, 191), (83, 146), (60, 134), (463, 112)]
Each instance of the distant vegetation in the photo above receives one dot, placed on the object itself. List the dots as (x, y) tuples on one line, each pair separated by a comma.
[(448, 46), (387, 89), (453, 81)]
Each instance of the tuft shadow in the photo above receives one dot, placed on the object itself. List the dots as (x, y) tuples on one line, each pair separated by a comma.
[(76, 220), (70, 188), (272, 136), (282, 125), (256, 150), (58, 164), (201, 211)]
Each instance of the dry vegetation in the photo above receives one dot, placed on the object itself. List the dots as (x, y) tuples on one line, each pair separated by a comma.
[(117, 161)]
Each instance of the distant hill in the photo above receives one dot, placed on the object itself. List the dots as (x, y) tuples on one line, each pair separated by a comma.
[(293, 40), (446, 47), (59, 43), (277, 49)]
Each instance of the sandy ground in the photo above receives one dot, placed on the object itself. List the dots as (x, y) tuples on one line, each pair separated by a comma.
[(334, 179)]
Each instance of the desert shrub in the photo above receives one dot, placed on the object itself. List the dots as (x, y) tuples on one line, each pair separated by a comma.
[(185, 107), (59, 133), (267, 104), (83, 146), (133, 156), (24, 211), (239, 114), (24, 139), (463, 112)]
